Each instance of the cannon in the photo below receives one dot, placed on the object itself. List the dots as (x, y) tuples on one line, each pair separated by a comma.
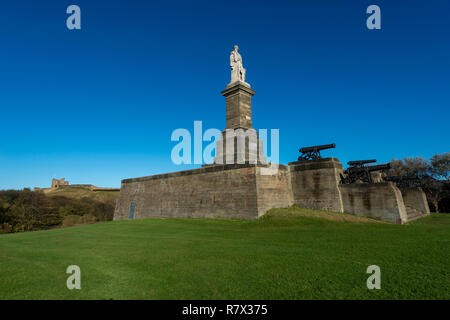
[(362, 173), (360, 163), (313, 153)]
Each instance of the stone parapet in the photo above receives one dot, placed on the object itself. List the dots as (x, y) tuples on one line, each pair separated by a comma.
[(381, 201), (416, 203), (228, 191), (315, 184)]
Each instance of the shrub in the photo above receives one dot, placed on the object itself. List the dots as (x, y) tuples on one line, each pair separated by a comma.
[(26, 210)]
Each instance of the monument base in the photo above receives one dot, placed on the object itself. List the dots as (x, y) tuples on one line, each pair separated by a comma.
[(247, 191), (220, 191), (240, 146), (315, 184)]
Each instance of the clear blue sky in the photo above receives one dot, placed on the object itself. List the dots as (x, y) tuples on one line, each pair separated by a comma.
[(99, 105)]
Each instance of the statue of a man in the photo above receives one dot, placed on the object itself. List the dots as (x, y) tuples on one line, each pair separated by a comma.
[(237, 69)]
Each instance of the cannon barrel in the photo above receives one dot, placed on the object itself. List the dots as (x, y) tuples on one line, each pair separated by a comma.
[(317, 148), (377, 167), (360, 162)]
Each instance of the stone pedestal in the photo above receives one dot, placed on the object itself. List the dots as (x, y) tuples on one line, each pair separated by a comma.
[(315, 184), (381, 201), (416, 203), (239, 105), (240, 146), (239, 143)]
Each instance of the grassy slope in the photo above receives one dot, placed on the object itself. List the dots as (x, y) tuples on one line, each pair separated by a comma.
[(282, 256), (78, 193)]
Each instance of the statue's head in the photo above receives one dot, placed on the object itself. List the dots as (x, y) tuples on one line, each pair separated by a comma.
[(236, 48)]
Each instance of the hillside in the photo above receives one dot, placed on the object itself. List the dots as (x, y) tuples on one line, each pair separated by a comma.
[(26, 210), (288, 254), (78, 193)]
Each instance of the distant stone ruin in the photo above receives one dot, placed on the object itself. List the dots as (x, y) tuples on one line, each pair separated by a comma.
[(63, 183), (56, 183)]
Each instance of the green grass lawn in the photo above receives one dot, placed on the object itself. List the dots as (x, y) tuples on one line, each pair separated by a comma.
[(290, 254)]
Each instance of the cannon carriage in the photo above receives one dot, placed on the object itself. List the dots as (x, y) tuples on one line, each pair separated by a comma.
[(313, 153), (360, 172)]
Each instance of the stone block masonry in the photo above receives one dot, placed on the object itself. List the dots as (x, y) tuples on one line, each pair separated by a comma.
[(381, 201), (416, 203), (273, 188), (228, 191), (238, 99), (246, 191), (315, 184)]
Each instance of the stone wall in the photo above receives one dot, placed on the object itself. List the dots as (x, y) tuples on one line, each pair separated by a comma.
[(85, 186), (381, 201), (222, 191), (273, 188), (416, 203), (230, 191), (315, 184), (247, 191)]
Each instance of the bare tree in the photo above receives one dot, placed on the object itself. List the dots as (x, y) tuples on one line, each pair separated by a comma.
[(439, 170), (439, 166), (432, 175)]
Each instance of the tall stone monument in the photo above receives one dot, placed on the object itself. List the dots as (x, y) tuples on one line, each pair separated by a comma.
[(241, 185), (239, 143)]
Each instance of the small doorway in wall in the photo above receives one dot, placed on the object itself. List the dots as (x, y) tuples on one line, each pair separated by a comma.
[(131, 214)]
